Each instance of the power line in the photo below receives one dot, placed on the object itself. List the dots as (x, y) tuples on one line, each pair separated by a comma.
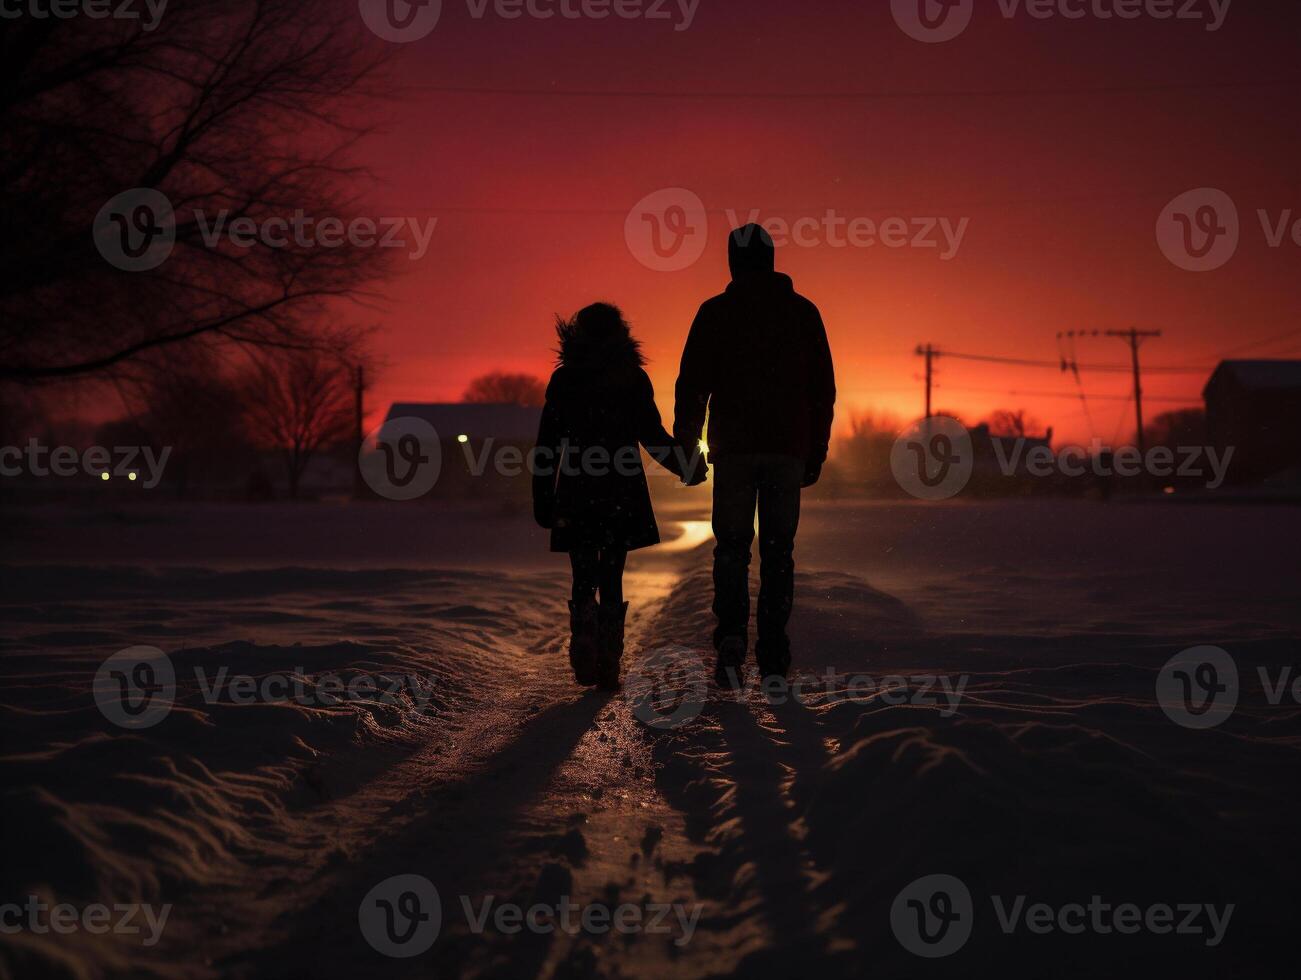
[(807, 209), (1079, 383), (862, 95), (1065, 365), (1015, 393), (1286, 335)]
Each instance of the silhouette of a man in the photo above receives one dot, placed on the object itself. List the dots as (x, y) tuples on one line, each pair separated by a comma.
[(758, 362)]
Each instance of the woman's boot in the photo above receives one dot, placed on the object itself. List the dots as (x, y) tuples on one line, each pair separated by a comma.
[(607, 669), (584, 641)]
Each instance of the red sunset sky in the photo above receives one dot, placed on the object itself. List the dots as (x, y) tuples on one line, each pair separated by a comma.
[(1062, 190)]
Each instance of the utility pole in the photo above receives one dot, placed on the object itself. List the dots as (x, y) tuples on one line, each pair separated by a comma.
[(930, 353), (1135, 339)]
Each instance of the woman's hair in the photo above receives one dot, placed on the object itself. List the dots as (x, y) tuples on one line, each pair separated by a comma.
[(597, 336)]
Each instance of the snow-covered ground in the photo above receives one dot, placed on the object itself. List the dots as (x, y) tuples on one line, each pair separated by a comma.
[(976, 697)]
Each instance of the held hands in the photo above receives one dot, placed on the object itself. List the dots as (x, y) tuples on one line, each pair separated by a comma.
[(697, 470)]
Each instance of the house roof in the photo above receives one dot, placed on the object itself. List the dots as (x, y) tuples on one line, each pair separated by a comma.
[(1258, 375), (512, 422)]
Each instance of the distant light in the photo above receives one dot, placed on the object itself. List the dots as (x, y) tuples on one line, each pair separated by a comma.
[(462, 438), (1169, 490), (704, 446), (132, 476), (104, 475)]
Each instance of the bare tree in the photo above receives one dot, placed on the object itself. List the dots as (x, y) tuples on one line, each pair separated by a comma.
[(1181, 427), (192, 406), (506, 389), (243, 109), (862, 455), (1012, 424), (299, 402)]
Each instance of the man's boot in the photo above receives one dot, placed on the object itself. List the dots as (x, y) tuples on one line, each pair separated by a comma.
[(729, 672), (773, 657), (583, 641), (611, 645)]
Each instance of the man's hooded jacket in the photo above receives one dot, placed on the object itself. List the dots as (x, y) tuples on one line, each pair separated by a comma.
[(758, 361)]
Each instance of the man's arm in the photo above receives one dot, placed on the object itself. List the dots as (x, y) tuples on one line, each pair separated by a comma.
[(695, 384), (822, 406)]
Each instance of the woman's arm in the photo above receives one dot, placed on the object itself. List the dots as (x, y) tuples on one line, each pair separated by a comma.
[(683, 462), (546, 461)]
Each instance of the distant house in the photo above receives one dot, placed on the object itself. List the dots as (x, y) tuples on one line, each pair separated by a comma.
[(1000, 463), (474, 439), (1255, 407)]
